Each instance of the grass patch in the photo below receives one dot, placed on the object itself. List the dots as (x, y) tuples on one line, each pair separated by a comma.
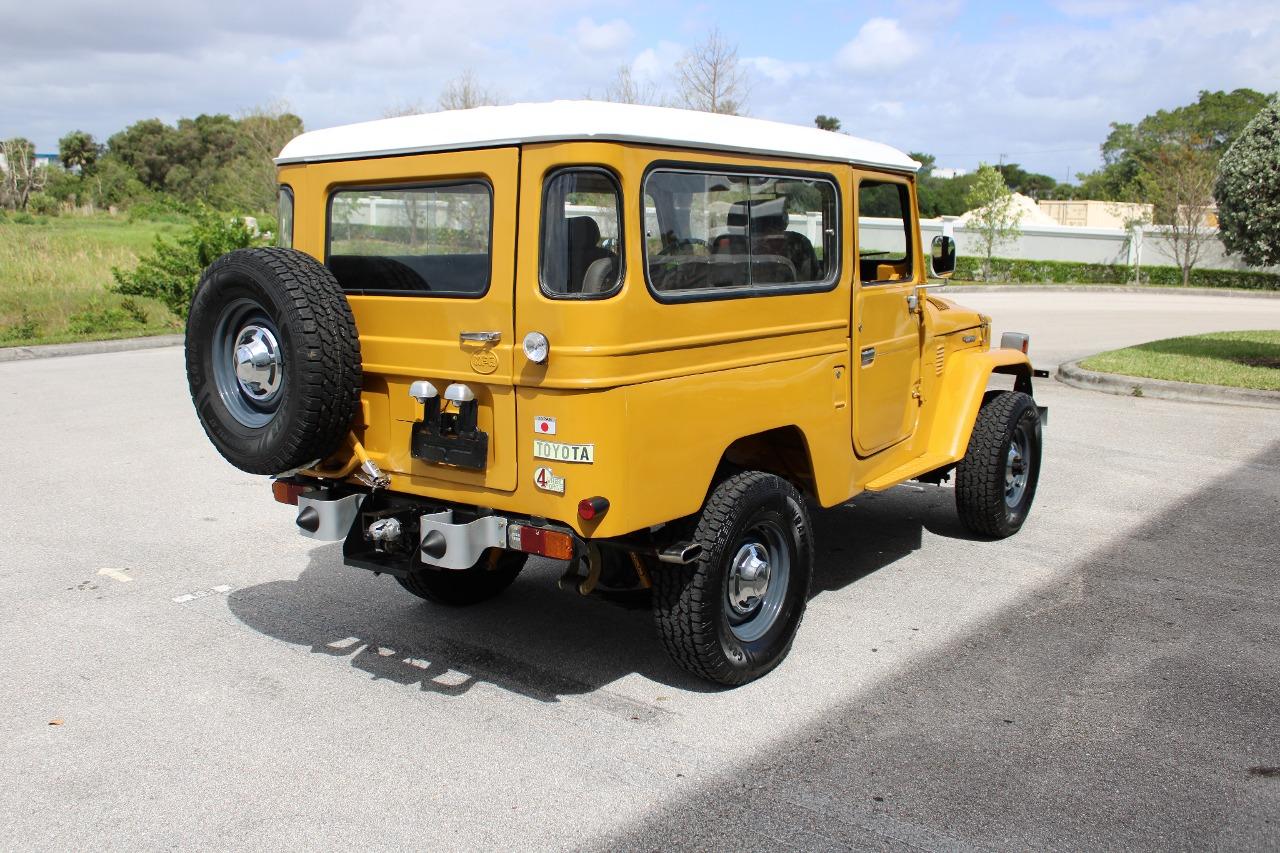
[(55, 274), (1235, 359)]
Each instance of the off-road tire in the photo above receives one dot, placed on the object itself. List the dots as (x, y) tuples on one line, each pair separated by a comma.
[(320, 358), (980, 476), (495, 572), (690, 602)]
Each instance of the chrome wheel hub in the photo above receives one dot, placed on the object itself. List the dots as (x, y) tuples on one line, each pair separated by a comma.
[(1016, 470), (256, 362), (748, 578)]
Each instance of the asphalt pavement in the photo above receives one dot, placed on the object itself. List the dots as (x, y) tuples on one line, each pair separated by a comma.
[(185, 671)]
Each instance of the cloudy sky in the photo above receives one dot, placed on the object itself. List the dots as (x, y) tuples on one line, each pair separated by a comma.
[(1036, 81)]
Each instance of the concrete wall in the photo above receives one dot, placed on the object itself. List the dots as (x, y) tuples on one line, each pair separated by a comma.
[(1085, 245)]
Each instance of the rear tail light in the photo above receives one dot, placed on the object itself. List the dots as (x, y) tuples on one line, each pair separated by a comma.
[(286, 492), (589, 508), (541, 541)]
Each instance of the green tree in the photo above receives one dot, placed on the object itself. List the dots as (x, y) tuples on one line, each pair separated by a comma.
[(993, 214), (78, 152), (825, 122), (1031, 184), (1178, 179), (146, 147), (1210, 124), (1248, 190)]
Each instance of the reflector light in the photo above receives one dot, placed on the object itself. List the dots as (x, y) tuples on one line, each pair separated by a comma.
[(589, 508), (286, 492), (541, 541), (1015, 340)]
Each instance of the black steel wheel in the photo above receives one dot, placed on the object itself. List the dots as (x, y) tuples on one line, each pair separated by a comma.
[(996, 480), (732, 615)]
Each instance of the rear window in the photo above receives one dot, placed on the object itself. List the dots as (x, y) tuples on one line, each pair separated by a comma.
[(581, 234), (713, 234), (433, 240)]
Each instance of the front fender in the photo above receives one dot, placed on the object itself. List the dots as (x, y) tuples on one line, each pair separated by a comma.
[(967, 375)]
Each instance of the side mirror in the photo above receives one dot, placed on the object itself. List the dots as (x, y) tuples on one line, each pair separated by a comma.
[(942, 260)]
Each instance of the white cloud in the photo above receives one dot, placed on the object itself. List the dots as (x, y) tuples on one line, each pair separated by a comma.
[(602, 38), (880, 45)]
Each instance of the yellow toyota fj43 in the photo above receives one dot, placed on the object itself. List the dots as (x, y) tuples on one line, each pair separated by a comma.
[(640, 340)]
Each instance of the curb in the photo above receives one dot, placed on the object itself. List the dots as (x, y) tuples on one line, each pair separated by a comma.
[(87, 347), (1071, 373), (1107, 288)]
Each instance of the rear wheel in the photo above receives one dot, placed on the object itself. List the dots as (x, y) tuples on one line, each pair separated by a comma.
[(996, 480), (495, 571), (732, 615)]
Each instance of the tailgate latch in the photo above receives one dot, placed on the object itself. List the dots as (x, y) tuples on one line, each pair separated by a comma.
[(448, 438)]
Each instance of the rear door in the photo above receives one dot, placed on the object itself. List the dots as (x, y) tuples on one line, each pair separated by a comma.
[(425, 248)]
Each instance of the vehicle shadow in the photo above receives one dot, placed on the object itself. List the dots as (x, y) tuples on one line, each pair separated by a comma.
[(535, 639)]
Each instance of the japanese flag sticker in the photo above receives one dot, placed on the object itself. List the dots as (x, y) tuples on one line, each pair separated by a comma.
[(547, 481), (544, 426)]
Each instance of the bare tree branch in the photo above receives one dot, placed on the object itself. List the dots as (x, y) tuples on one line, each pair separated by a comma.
[(626, 89), (710, 77), (465, 92)]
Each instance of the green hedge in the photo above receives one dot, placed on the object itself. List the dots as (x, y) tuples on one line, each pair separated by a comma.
[(1021, 271)]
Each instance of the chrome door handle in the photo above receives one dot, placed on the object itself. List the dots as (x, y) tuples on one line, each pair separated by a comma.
[(868, 355), (913, 302), (480, 337)]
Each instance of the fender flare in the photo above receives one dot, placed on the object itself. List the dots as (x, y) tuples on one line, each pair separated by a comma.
[(967, 374)]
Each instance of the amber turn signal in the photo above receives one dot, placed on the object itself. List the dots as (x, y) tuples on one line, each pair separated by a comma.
[(589, 508), (286, 492), (540, 540)]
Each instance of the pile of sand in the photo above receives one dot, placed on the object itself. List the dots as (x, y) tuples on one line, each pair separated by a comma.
[(1029, 213)]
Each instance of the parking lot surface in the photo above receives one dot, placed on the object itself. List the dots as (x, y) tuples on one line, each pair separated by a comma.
[(183, 670)]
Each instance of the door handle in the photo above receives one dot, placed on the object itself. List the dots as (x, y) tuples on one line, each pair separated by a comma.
[(868, 355), (913, 302), (480, 337)]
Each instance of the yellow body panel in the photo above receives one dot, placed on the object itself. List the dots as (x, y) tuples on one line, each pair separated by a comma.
[(661, 390)]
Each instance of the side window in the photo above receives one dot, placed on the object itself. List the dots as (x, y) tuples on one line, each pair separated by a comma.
[(432, 240), (581, 253), (884, 232), (284, 217), (728, 234)]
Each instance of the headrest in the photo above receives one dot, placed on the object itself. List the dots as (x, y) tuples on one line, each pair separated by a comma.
[(583, 231)]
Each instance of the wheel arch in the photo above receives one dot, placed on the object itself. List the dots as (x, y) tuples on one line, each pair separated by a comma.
[(783, 451), (964, 390)]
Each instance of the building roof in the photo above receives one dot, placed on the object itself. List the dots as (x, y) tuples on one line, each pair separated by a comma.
[(485, 127)]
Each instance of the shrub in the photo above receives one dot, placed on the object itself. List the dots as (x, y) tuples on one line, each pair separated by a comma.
[(43, 204), (25, 329), (172, 270), (1023, 271), (158, 209), (1248, 190), (24, 218), (97, 319)]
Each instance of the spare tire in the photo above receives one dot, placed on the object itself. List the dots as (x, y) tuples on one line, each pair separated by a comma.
[(273, 359)]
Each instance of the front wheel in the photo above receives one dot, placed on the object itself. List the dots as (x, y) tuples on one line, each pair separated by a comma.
[(996, 480), (732, 615)]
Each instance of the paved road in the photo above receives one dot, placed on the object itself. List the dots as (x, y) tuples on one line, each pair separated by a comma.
[(1108, 678)]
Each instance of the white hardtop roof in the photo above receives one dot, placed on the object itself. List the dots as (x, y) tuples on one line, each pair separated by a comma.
[(557, 121)]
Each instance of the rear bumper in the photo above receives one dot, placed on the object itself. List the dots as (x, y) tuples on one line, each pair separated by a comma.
[(394, 533)]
